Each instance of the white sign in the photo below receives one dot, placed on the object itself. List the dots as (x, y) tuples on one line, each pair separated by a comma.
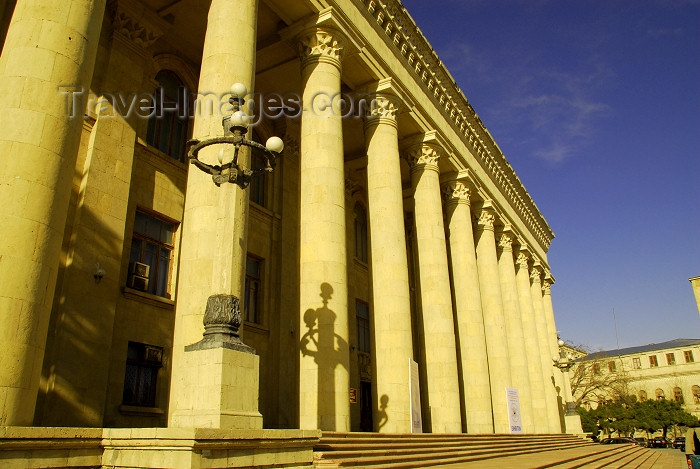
[(413, 379), (513, 400)]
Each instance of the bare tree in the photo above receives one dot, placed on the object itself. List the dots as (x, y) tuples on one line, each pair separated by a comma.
[(597, 377)]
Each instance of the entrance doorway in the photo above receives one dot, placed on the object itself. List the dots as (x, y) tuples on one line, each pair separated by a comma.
[(366, 406)]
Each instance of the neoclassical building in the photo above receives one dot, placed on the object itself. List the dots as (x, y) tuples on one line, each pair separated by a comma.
[(392, 231)]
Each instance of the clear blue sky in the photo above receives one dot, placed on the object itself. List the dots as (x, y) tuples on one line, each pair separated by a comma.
[(596, 105)]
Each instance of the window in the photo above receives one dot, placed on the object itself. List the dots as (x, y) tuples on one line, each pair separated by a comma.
[(678, 395), (688, 354), (151, 253), (253, 289), (642, 395), (671, 358), (596, 368), (611, 367), (362, 316), (696, 394), (167, 126), (142, 364), (256, 191), (360, 233), (653, 362), (659, 394), (637, 363)]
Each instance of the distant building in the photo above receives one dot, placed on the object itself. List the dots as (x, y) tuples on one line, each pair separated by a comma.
[(667, 370), (695, 282)]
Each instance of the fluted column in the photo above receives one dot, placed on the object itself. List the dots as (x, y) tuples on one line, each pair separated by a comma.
[(435, 297), (471, 339), (494, 320), (215, 222), (545, 350), (514, 329), (391, 298), (532, 344), (48, 48), (324, 359)]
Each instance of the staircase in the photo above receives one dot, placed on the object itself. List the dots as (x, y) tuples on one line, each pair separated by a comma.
[(381, 450)]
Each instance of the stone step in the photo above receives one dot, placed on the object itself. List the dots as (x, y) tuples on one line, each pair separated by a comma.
[(649, 462)]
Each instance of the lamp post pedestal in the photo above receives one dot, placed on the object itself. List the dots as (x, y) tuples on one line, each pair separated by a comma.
[(572, 420)]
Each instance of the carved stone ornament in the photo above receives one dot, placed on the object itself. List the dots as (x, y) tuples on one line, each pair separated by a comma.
[(222, 318), (505, 241), (138, 25), (322, 44), (535, 275), (523, 260), (456, 192), (423, 156), (546, 288), (383, 106), (486, 220)]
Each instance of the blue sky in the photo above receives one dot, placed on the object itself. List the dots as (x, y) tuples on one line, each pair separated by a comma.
[(596, 105)]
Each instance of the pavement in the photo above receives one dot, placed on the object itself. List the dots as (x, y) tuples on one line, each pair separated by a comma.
[(668, 459)]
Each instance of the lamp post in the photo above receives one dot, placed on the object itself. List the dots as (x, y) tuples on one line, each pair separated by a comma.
[(571, 417), (235, 128), (222, 316)]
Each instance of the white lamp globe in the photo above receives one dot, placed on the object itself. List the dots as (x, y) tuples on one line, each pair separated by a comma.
[(239, 119), (274, 144), (238, 90), (561, 343), (555, 358), (222, 153)]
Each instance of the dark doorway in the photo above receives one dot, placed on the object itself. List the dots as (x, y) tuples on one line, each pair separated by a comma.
[(365, 406)]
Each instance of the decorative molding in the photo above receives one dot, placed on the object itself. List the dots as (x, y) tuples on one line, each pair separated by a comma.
[(401, 33), (423, 156), (456, 192), (546, 288), (383, 106), (321, 45), (485, 219), (523, 260), (535, 275), (505, 241), (137, 24)]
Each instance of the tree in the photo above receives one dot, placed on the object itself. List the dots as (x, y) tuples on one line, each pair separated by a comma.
[(598, 378)]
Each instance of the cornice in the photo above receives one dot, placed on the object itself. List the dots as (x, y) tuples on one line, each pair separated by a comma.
[(404, 36)]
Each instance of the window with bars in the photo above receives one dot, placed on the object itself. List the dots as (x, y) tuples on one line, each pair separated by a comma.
[(253, 289), (151, 254), (671, 358), (653, 362), (688, 354), (142, 365), (362, 317), (167, 126)]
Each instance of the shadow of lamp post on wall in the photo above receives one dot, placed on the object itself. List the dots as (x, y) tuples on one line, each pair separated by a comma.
[(222, 317)]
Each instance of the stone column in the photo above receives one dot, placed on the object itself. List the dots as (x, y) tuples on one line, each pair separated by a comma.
[(514, 328), (440, 363), (324, 360), (214, 242), (494, 320), (545, 350), (471, 340), (532, 343), (391, 304), (48, 48), (553, 341)]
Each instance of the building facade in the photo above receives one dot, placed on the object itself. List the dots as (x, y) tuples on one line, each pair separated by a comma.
[(667, 370), (392, 230)]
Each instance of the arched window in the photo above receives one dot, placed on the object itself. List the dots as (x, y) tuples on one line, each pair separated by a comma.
[(256, 191), (696, 394), (642, 395), (660, 395), (678, 395), (167, 126), (360, 232)]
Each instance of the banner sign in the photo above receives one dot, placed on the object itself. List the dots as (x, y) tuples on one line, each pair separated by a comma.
[(416, 421), (513, 400)]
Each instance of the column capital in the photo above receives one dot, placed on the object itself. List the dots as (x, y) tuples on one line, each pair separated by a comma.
[(485, 217), (456, 192), (546, 287), (321, 44), (136, 25), (505, 240), (523, 259), (535, 274), (382, 109), (423, 156)]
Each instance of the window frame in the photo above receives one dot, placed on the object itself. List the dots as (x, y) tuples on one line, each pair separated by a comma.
[(250, 281), (361, 233), (642, 394), (364, 340), (695, 391), (636, 363), (141, 364), (688, 353), (659, 394), (678, 395), (671, 358), (174, 119), (145, 239), (653, 361)]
